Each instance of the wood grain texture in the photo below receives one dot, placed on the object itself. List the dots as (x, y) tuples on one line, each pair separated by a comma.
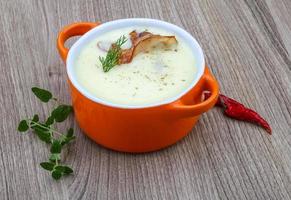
[(247, 45)]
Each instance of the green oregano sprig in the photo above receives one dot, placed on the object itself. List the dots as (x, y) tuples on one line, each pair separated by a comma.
[(46, 133)]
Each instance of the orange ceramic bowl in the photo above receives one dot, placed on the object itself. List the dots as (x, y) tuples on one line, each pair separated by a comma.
[(136, 128)]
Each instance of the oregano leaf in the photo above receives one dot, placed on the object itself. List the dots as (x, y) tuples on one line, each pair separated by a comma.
[(67, 170), (43, 134), (44, 137), (42, 94), (56, 174), (23, 126), (56, 147), (64, 169), (61, 112), (35, 118), (47, 165), (50, 120), (70, 132), (60, 168)]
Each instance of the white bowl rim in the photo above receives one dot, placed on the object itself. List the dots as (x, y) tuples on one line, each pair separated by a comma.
[(112, 25)]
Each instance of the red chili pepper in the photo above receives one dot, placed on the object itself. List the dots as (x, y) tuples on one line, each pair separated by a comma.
[(236, 110)]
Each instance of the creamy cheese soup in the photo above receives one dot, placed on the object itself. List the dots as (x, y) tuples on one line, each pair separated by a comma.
[(150, 77)]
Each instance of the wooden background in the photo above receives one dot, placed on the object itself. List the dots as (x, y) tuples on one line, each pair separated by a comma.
[(247, 44)]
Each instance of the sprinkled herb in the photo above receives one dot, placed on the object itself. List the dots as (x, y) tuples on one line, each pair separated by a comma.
[(147, 77), (113, 54), (163, 77)]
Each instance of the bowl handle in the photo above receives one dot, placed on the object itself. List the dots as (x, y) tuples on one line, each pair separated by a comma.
[(71, 30), (210, 84)]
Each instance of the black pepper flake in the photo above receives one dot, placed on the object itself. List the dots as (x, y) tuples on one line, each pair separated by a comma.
[(163, 77), (147, 77)]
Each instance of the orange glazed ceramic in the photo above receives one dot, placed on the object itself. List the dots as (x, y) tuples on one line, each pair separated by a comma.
[(127, 129)]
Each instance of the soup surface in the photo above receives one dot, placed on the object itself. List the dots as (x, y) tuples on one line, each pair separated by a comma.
[(151, 77)]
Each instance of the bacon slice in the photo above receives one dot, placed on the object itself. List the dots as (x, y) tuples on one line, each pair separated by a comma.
[(143, 42)]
